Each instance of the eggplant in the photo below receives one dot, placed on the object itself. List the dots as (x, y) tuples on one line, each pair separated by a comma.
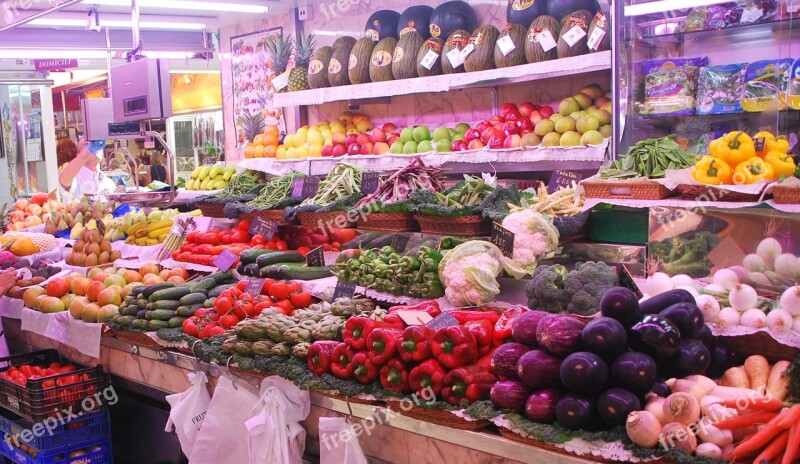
[(539, 369), (654, 335), (661, 389), (634, 371), (686, 316), (523, 329), (584, 372), (505, 358), (541, 405), (722, 359), (510, 394), (559, 334), (605, 337), (692, 358), (615, 404), (622, 304), (664, 300), (574, 412), (705, 336)]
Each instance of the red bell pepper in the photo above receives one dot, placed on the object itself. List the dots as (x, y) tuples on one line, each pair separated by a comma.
[(382, 345), (482, 330), (416, 343), (431, 307), (356, 331), (454, 346), (428, 375), (464, 315), (486, 360), (320, 356), (393, 320), (502, 328), (342, 361), (394, 376), (363, 370), (468, 384)]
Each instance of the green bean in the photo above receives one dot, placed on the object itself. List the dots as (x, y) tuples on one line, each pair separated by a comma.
[(649, 158)]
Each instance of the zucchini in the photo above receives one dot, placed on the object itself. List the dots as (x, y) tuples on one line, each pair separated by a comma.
[(128, 310), (125, 320), (174, 293), (192, 298), (176, 321), (157, 324), (161, 314), (209, 303), (142, 304), (150, 289), (250, 256), (251, 270), (140, 324), (295, 272), (279, 257), (186, 311)]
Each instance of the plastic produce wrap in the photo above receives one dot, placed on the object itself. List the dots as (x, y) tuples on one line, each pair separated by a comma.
[(719, 89), (706, 18), (670, 86), (751, 11), (765, 85)]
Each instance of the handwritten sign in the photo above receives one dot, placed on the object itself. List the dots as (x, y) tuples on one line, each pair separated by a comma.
[(264, 226), (562, 179), (414, 317), (503, 238), (399, 242), (225, 260), (101, 227), (315, 257), (297, 186), (369, 182), (344, 290), (760, 143), (310, 187), (254, 287), (442, 320), (626, 280)]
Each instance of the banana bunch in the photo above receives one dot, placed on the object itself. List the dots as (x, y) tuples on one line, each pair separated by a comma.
[(149, 233), (210, 178)]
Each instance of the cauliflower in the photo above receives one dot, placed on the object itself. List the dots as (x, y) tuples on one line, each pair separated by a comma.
[(535, 237), (469, 273)]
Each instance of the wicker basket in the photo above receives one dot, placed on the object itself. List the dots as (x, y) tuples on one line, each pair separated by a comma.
[(139, 339), (271, 214), (337, 219), (437, 416), (759, 343), (706, 193), (625, 190), (465, 226), (390, 222), (786, 195), (214, 210)]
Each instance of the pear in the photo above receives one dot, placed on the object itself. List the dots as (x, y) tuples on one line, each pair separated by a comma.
[(62, 225), (155, 215), (91, 225), (77, 232)]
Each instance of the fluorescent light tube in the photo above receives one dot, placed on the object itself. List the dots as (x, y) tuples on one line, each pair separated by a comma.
[(663, 6), (48, 54), (117, 24), (187, 5)]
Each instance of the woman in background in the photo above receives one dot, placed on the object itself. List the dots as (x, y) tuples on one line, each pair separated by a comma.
[(158, 172), (66, 151)]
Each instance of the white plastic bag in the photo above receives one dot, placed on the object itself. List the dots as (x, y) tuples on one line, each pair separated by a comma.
[(275, 434), (220, 440), (332, 449), (188, 410)]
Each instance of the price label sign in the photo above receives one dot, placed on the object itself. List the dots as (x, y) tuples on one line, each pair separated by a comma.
[(400, 242), (562, 179), (466, 51), (503, 238), (595, 38), (626, 280), (506, 45), (574, 35), (254, 287), (310, 187), (225, 260), (546, 40), (344, 290), (101, 227), (429, 59), (455, 58), (263, 226), (280, 81), (315, 257), (442, 320), (760, 143), (297, 186), (369, 182)]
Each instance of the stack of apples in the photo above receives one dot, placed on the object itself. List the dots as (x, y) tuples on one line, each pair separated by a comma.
[(375, 141), (512, 128)]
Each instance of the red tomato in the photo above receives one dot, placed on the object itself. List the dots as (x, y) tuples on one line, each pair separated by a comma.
[(235, 292), (258, 239), (240, 236), (26, 370), (241, 285), (206, 260), (204, 333), (327, 247), (223, 305), (217, 330), (184, 257), (67, 368), (343, 235), (201, 312), (48, 384), (239, 312), (214, 316), (68, 380), (303, 250), (261, 306), (300, 300), (280, 245), (187, 247), (209, 238), (270, 246), (217, 250), (225, 238), (279, 291), (244, 225), (228, 321), (190, 327), (295, 286), (267, 284), (284, 306), (249, 310)]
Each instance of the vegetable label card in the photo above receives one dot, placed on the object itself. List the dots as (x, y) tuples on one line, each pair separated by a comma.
[(315, 257), (760, 142), (344, 290), (263, 226), (297, 186), (225, 260), (400, 242), (414, 317), (310, 187), (254, 287), (562, 179), (442, 320), (369, 182), (503, 238)]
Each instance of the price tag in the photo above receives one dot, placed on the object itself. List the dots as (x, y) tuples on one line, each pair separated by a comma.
[(574, 35), (399, 242), (369, 182), (442, 320), (503, 238), (101, 227), (626, 280), (595, 38), (24, 274), (546, 40), (429, 59), (414, 317), (254, 286), (760, 143), (455, 58), (297, 186), (225, 260), (310, 187), (344, 290), (466, 51), (506, 45), (315, 257), (263, 226), (562, 179), (280, 82)]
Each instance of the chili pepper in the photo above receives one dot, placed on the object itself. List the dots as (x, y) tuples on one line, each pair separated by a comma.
[(464, 316), (454, 346), (356, 331), (401, 279), (367, 280), (427, 375), (486, 360), (431, 307), (380, 269), (342, 363), (387, 250), (363, 370), (468, 384), (416, 343), (448, 243), (782, 164), (430, 289), (354, 265), (753, 170), (712, 171), (394, 376), (429, 258), (409, 264), (382, 344), (502, 328), (734, 148), (371, 256), (482, 330), (320, 356)]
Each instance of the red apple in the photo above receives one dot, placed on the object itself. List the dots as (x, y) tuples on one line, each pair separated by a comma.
[(495, 120), (489, 133), (339, 150), (510, 127), (351, 139), (362, 139), (535, 117), (380, 148), (392, 139), (389, 127), (496, 141), (508, 108), (525, 109), (524, 124), (472, 134), (458, 145), (546, 111), (339, 138), (367, 148), (377, 135), (513, 116), (354, 149), (327, 151), (475, 145), (512, 141)]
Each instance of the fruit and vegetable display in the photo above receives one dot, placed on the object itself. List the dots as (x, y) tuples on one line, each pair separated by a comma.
[(31, 213), (395, 189), (734, 158), (27, 244), (650, 158), (214, 177)]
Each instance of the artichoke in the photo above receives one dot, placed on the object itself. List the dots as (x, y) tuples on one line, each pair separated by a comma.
[(279, 324), (263, 347), (300, 351), (344, 307), (299, 333), (329, 328), (282, 349), (229, 345), (244, 348), (308, 314), (255, 330)]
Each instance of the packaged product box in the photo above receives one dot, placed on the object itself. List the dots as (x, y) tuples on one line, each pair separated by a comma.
[(719, 89), (793, 99), (765, 85), (670, 86)]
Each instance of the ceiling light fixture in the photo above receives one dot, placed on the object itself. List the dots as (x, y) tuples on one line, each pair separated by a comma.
[(51, 54), (188, 5), (662, 6), (119, 24)]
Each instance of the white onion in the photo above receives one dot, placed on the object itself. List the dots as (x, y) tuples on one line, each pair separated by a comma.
[(709, 306), (754, 318), (714, 288), (754, 263), (682, 280), (706, 402), (658, 283), (689, 288), (769, 249), (726, 278), (741, 273), (728, 317), (759, 278), (790, 300), (709, 450), (787, 266), (796, 325), (779, 320), (743, 297)]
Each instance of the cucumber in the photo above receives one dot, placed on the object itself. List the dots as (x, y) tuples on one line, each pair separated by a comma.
[(162, 314), (176, 321), (128, 310), (250, 256), (186, 311), (157, 324), (174, 293), (192, 298), (150, 289), (241, 267), (142, 304), (296, 272), (140, 324), (164, 304), (209, 303), (125, 320), (251, 270), (212, 281), (219, 289), (279, 257)]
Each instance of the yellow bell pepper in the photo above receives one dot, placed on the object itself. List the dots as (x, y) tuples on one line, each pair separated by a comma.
[(752, 170), (734, 148), (712, 171), (771, 143), (782, 164)]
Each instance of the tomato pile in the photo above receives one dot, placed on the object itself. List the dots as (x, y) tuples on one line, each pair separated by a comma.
[(234, 305), (21, 374)]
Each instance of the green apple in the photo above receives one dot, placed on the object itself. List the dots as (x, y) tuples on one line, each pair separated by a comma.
[(591, 137), (407, 135), (605, 130), (462, 128), (568, 106), (396, 148), (553, 139), (421, 133), (458, 136), (443, 146), (584, 100), (410, 147), (570, 139), (544, 127), (425, 146), (587, 123), (565, 124), (441, 133)]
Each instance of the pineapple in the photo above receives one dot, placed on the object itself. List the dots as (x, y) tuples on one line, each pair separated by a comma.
[(304, 49), (280, 51), (252, 127)]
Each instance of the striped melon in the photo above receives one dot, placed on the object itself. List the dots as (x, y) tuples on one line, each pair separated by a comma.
[(380, 64), (515, 36), (337, 67), (343, 41), (433, 46), (358, 66), (318, 68), (599, 34), (543, 31), (404, 58), (578, 21), (483, 41), (456, 41)]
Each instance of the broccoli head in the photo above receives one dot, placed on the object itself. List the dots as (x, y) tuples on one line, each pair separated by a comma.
[(586, 284), (545, 290)]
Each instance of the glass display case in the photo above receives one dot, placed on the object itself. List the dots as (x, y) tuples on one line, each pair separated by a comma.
[(705, 70)]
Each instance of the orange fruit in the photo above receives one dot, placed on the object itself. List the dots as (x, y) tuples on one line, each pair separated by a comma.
[(259, 140), (272, 130), (250, 151), (271, 139), (259, 151), (270, 151)]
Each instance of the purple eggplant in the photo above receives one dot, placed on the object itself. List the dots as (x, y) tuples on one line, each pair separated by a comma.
[(541, 405), (620, 303), (584, 372), (539, 369), (505, 358), (722, 359), (575, 412), (654, 335), (635, 371), (605, 337), (523, 329), (559, 334), (661, 389), (692, 358), (510, 394), (662, 301), (687, 317), (705, 337), (615, 404)]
